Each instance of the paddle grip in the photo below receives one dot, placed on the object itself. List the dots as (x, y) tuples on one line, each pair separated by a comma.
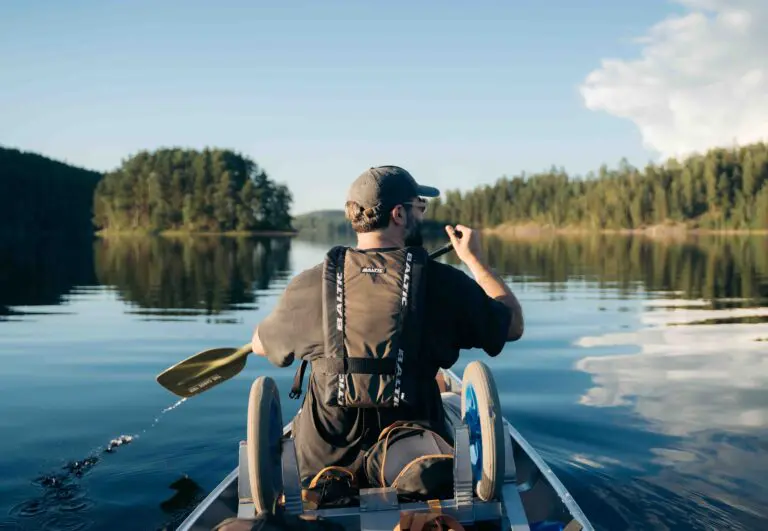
[(445, 248)]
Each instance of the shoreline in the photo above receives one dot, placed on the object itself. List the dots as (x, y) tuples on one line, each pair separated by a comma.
[(186, 233), (655, 231)]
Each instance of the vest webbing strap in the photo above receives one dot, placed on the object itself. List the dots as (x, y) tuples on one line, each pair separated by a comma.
[(345, 366), (297, 380), (354, 366)]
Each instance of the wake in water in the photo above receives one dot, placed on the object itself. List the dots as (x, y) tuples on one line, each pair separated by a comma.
[(61, 491)]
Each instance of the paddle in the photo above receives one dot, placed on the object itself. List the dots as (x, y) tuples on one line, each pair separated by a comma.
[(208, 368)]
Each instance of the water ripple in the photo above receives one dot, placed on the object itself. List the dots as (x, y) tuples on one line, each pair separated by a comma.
[(65, 522)]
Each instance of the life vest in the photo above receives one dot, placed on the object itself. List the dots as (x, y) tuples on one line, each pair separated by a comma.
[(373, 303)]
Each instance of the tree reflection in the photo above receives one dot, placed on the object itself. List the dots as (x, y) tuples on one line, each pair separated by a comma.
[(712, 268), (40, 270), (211, 274), (190, 275)]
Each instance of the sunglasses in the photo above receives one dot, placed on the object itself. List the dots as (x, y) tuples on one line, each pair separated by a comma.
[(421, 205)]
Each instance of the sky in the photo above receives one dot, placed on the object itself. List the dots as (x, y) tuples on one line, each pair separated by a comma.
[(458, 93)]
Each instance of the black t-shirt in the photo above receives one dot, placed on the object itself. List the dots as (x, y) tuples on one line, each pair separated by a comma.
[(458, 315)]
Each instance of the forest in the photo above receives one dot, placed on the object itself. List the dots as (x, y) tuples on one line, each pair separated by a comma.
[(721, 189), (43, 195), (218, 190), (213, 190)]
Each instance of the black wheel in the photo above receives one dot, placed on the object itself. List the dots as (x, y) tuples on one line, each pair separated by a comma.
[(264, 435), (481, 412)]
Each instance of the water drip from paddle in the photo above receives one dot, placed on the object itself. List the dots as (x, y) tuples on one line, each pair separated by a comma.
[(166, 410)]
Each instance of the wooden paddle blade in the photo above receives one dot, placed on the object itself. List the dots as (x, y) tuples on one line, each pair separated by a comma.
[(204, 370)]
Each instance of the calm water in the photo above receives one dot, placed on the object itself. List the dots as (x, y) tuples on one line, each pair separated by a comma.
[(641, 378)]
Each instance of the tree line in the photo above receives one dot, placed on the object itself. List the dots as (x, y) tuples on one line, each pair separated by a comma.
[(213, 190), (43, 195), (721, 189), (217, 190)]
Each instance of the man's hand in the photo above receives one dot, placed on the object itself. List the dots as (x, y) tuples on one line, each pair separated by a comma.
[(256, 346), (468, 246), (468, 250)]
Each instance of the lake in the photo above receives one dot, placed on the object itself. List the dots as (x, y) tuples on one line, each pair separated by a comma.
[(642, 377)]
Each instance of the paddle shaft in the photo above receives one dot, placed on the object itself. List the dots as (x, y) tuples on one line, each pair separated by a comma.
[(444, 249)]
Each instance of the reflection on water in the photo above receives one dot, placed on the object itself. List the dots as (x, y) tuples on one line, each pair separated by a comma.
[(685, 376), (642, 377), (699, 376), (42, 270), (188, 276), (160, 278), (713, 268)]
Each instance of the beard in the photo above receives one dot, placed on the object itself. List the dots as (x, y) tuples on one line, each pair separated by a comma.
[(413, 236)]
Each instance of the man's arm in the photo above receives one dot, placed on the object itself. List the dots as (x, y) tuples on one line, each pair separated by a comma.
[(294, 326), (468, 250), (496, 288)]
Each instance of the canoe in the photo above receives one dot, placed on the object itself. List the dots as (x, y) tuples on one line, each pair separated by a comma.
[(532, 497)]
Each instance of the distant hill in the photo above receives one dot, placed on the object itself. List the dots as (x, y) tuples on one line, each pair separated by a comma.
[(44, 195), (329, 224)]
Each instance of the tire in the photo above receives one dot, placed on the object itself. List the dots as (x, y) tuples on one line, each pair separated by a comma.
[(481, 411), (264, 434)]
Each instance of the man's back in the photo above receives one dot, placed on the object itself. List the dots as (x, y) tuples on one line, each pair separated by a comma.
[(457, 315)]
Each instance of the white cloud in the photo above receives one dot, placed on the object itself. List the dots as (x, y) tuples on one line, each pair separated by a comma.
[(701, 81)]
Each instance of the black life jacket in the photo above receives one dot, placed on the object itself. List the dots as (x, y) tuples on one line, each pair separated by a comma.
[(373, 301)]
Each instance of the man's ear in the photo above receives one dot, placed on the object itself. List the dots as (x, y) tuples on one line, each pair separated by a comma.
[(398, 215)]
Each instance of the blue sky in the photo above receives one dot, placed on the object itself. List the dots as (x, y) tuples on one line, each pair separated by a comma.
[(315, 92)]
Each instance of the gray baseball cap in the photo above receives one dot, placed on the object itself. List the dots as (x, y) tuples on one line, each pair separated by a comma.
[(387, 186)]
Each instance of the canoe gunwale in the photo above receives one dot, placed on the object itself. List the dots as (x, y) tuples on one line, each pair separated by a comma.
[(209, 500)]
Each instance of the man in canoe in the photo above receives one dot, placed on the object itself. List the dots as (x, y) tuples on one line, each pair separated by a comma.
[(377, 321)]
